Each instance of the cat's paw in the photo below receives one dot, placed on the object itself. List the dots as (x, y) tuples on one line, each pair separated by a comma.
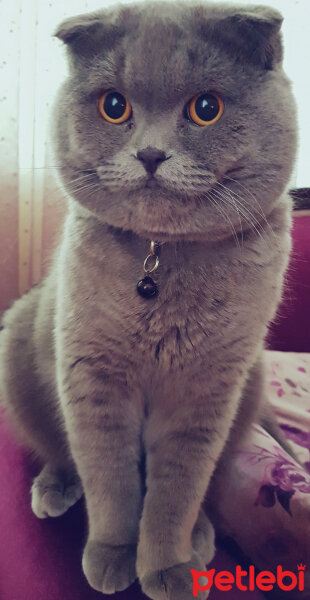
[(109, 569), (203, 538), (175, 583), (54, 491)]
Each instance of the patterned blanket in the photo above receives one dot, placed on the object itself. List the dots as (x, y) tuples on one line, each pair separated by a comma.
[(267, 500)]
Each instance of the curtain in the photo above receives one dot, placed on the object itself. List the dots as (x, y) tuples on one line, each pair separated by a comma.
[(32, 66)]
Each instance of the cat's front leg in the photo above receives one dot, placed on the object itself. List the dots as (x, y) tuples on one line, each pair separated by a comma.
[(104, 426), (182, 450)]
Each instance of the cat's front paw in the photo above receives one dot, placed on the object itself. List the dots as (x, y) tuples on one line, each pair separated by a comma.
[(175, 583), (109, 569), (54, 491)]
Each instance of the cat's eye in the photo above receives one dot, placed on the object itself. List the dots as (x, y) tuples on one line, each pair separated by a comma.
[(114, 107), (205, 109)]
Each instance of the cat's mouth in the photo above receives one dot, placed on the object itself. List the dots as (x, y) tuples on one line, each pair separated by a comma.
[(170, 188), (152, 183)]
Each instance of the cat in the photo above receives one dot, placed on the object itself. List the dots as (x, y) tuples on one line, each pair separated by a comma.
[(176, 125)]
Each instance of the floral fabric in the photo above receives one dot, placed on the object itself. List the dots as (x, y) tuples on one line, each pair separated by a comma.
[(266, 503)]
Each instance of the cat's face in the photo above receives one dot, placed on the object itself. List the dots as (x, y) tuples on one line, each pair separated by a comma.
[(158, 172)]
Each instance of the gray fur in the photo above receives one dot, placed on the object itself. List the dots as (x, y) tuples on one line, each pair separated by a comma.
[(98, 380)]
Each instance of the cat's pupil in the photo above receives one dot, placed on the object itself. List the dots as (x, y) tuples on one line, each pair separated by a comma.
[(207, 107), (115, 105)]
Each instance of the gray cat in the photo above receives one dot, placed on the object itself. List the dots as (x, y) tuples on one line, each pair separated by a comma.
[(176, 125)]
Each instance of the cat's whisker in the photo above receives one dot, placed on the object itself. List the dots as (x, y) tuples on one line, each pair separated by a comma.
[(238, 213), (84, 176), (235, 194), (259, 208), (260, 211), (233, 200), (84, 188), (226, 217), (249, 217), (255, 223), (227, 203)]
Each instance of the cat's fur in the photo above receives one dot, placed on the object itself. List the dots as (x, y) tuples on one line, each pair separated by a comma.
[(103, 384)]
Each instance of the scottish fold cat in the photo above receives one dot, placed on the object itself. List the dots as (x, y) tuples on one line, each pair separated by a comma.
[(175, 126)]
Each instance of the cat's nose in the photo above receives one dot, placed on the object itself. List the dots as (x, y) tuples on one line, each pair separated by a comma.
[(151, 158)]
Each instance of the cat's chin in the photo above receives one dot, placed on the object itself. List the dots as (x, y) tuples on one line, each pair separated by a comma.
[(156, 213)]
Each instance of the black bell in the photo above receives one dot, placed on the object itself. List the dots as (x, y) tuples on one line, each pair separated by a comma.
[(147, 288)]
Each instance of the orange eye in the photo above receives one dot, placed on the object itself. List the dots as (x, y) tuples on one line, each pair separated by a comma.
[(114, 107), (205, 109)]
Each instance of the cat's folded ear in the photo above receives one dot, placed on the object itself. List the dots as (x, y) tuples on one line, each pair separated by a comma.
[(85, 34), (249, 33)]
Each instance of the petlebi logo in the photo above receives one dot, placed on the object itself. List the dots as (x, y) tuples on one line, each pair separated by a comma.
[(249, 580)]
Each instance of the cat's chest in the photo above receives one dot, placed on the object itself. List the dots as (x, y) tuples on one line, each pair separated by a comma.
[(190, 311), (204, 299)]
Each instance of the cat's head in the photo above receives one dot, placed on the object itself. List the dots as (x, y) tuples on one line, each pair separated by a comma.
[(176, 120)]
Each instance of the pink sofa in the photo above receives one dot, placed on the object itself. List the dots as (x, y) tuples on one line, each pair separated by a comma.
[(291, 328), (41, 559)]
